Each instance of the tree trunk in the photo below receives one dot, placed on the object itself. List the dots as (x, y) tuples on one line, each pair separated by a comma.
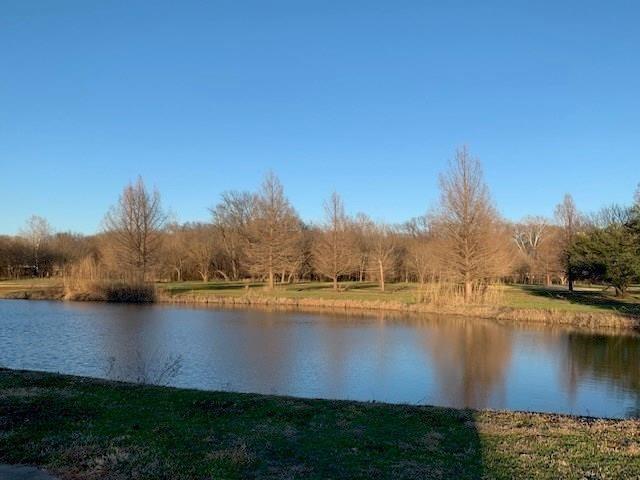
[(570, 279), (234, 269), (335, 282), (205, 276), (271, 278), (468, 290), (224, 275), (381, 276)]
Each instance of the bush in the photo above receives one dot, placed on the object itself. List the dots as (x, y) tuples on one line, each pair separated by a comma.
[(130, 293)]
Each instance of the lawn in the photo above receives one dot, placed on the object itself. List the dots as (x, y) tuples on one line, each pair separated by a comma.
[(586, 299), (82, 428)]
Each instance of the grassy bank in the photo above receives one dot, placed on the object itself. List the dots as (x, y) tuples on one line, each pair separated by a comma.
[(586, 307), (82, 428)]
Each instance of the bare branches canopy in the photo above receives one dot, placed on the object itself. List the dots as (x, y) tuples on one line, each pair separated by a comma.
[(468, 224), (134, 229), (457, 249)]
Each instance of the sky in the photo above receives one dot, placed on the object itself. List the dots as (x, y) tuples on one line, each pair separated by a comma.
[(368, 98)]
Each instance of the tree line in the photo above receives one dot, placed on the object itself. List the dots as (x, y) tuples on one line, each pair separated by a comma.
[(462, 241)]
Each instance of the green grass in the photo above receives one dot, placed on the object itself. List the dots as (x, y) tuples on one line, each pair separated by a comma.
[(92, 429), (369, 291), (584, 299)]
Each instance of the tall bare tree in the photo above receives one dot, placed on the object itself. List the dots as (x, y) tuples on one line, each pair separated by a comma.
[(469, 224), (36, 232), (134, 229), (569, 220), (333, 248), (273, 233)]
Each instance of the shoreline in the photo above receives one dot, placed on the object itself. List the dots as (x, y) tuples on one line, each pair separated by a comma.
[(611, 321), (79, 427), (590, 320)]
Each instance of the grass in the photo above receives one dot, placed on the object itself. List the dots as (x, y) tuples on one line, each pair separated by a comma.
[(94, 429), (584, 299)]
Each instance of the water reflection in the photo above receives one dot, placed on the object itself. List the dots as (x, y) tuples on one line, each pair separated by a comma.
[(611, 361), (447, 361), (471, 357)]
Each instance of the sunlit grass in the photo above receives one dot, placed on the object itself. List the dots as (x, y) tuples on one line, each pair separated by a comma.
[(585, 299)]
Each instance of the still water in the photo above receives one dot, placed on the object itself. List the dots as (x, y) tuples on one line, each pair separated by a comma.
[(435, 360)]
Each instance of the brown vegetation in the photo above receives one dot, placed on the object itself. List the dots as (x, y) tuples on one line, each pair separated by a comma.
[(457, 252)]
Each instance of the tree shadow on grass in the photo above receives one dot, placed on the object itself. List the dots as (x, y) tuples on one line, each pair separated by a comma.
[(360, 440), (594, 298)]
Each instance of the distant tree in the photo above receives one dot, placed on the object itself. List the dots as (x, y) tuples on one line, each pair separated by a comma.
[(273, 233), (420, 248), (608, 251), (134, 229), (569, 220), (381, 253), (635, 212), (469, 224), (36, 233), (231, 218), (333, 247), (361, 230), (175, 251), (536, 242), (201, 248)]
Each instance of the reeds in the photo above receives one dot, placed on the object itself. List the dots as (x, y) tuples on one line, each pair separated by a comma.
[(87, 281), (440, 293)]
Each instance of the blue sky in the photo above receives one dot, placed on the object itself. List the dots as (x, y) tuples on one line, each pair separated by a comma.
[(368, 98)]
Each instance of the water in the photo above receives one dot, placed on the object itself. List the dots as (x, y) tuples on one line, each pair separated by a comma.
[(447, 361)]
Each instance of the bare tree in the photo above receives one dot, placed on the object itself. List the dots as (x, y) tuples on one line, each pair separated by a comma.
[(529, 236), (333, 247), (382, 251), (569, 220), (36, 232), (201, 249), (273, 233), (231, 218), (361, 230), (468, 223), (134, 229), (175, 251), (420, 251)]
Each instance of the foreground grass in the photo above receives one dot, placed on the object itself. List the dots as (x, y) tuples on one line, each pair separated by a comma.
[(83, 428)]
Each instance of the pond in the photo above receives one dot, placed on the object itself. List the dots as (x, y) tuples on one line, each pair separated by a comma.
[(436, 360)]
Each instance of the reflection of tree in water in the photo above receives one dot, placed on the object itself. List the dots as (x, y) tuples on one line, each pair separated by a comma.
[(471, 357), (611, 359)]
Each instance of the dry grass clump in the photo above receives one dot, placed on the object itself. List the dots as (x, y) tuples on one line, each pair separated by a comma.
[(448, 293), (87, 281)]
